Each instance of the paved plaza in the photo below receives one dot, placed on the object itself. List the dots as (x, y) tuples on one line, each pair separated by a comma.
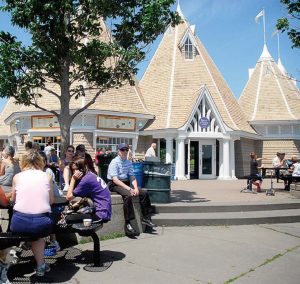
[(266, 253)]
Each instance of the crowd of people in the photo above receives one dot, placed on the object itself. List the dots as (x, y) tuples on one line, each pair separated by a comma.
[(41, 176), (287, 170)]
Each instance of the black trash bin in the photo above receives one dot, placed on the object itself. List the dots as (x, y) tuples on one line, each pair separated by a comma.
[(103, 163), (157, 181)]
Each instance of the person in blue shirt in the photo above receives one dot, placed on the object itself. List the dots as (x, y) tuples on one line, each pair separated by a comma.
[(121, 180)]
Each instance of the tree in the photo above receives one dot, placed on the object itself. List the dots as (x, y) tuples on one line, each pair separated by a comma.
[(68, 48), (285, 24)]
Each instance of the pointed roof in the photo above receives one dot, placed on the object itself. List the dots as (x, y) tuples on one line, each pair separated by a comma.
[(270, 94), (171, 84)]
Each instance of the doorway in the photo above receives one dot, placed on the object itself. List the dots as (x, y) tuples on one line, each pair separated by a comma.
[(207, 159)]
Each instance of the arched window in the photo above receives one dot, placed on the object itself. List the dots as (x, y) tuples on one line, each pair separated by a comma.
[(188, 49)]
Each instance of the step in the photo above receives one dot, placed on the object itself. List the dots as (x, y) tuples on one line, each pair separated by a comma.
[(227, 218), (224, 207)]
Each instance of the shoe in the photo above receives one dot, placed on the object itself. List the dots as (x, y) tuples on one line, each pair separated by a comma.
[(55, 244), (129, 230), (42, 269), (287, 188), (148, 223)]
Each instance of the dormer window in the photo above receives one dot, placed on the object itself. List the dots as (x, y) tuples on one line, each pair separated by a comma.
[(188, 49)]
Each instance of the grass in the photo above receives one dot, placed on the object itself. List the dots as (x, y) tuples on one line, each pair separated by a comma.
[(111, 236)]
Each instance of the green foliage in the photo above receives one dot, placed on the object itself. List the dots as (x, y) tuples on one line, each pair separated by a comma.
[(290, 24), (71, 45)]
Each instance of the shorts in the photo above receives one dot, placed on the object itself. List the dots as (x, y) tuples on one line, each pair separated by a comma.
[(36, 225)]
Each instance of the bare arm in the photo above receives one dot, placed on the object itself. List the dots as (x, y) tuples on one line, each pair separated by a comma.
[(2, 168), (76, 176)]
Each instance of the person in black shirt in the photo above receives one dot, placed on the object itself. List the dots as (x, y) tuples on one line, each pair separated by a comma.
[(254, 171)]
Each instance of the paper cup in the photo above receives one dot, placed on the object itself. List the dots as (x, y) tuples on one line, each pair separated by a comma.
[(87, 222)]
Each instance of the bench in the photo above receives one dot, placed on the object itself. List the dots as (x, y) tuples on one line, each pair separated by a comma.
[(83, 231), (9, 239)]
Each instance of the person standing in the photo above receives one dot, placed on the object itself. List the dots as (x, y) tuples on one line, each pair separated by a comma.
[(151, 151), (48, 148), (122, 181)]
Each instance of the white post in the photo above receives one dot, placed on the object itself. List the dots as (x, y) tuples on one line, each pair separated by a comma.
[(232, 159), (189, 159), (226, 159), (180, 159), (169, 150), (221, 173)]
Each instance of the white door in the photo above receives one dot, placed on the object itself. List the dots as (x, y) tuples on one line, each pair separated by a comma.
[(207, 159)]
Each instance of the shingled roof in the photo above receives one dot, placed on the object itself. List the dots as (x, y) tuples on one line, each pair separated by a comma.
[(270, 94), (171, 84)]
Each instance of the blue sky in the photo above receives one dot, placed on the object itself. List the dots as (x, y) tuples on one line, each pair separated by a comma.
[(230, 34)]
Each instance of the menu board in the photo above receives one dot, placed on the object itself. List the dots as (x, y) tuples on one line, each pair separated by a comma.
[(44, 122), (116, 122)]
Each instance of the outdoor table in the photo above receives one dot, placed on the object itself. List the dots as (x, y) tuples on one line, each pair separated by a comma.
[(270, 191)]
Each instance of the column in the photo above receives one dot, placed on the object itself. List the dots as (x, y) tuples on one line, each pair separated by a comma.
[(226, 158), (232, 159), (221, 172), (169, 150), (180, 159)]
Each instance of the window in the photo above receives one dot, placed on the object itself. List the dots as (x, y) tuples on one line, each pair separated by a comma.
[(112, 142), (188, 49)]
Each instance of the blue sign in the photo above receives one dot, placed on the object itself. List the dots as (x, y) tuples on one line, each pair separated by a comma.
[(204, 122)]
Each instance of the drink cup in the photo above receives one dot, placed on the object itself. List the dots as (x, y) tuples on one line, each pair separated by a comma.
[(87, 222)]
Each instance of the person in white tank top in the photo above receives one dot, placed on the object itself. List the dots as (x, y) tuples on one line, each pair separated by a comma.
[(32, 192)]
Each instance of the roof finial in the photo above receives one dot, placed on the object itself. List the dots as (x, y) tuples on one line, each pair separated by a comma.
[(178, 10)]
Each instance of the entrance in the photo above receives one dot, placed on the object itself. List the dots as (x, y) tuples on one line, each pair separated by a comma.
[(207, 159)]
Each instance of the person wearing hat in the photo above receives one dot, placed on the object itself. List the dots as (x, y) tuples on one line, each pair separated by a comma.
[(9, 166), (121, 180)]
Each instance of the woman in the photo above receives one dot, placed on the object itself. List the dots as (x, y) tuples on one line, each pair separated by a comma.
[(85, 183), (9, 166), (32, 193), (254, 174)]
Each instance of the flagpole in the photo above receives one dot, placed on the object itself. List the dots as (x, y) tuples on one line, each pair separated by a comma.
[(278, 48), (264, 22)]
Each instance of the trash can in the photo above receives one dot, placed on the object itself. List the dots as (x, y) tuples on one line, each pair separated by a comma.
[(157, 181), (103, 163), (138, 170)]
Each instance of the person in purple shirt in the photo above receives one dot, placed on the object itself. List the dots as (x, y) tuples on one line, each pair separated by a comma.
[(85, 183)]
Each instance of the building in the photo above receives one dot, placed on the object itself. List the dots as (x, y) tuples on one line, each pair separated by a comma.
[(185, 105)]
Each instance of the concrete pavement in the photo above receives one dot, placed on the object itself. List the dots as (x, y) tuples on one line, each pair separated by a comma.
[(181, 255)]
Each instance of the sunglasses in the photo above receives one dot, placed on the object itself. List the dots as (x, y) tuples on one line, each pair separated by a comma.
[(124, 150), (70, 151)]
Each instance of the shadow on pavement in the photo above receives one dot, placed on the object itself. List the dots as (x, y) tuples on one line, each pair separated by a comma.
[(64, 265), (186, 196)]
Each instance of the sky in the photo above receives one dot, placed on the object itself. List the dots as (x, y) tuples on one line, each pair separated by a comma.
[(228, 30)]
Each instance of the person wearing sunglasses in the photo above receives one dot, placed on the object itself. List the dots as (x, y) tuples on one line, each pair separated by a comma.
[(121, 180)]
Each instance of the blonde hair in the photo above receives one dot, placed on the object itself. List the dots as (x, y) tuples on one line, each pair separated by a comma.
[(294, 158), (32, 159)]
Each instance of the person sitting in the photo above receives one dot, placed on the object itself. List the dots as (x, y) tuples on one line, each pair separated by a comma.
[(255, 176), (32, 193), (277, 163), (85, 183), (121, 180), (9, 166), (294, 172), (64, 167)]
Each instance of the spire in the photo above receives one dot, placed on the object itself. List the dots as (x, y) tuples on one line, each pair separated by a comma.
[(178, 10), (265, 54), (281, 67)]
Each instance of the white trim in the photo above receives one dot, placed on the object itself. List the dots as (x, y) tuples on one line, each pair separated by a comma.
[(282, 94), (170, 100), (204, 94), (258, 90)]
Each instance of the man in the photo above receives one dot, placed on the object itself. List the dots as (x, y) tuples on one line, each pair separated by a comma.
[(122, 181), (277, 163), (80, 150), (151, 151)]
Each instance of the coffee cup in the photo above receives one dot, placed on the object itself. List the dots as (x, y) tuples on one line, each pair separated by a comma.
[(87, 222)]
